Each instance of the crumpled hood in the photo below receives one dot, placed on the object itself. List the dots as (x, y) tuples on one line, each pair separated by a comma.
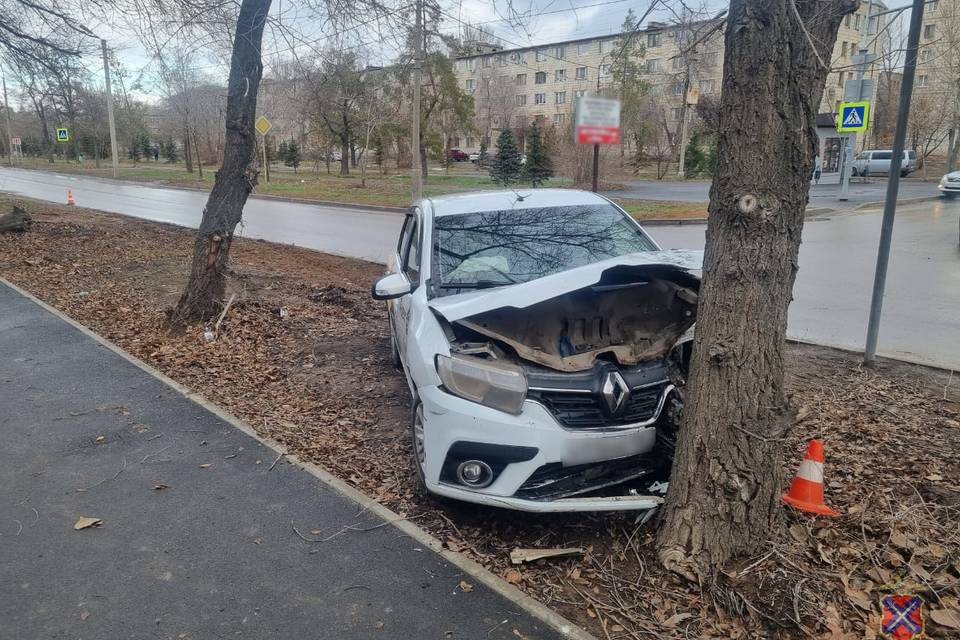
[(526, 294)]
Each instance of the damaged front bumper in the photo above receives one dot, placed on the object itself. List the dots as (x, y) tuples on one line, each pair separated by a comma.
[(538, 465)]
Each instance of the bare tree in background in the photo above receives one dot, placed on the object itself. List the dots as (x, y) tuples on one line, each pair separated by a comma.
[(203, 295), (724, 497)]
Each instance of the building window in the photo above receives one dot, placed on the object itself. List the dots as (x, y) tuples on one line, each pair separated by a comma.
[(604, 71), (846, 21), (502, 61), (469, 142), (653, 39), (581, 73), (541, 56), (540, 77), (581, 93), (605, 46), (521, 99), (843, 50), (710, 59), (676, 88), (933, 6), (840, 79), (930, 31), (856, 21), (559, 119), (521, 79), (922, 80), (560, 75), (584, 48), (496, 122), (540, 98), (654, 65), (485, 62), (455, 142), (472, 64), (676, 113), (706, 86), (560, 97), (679, 63), (468, 84), (560, 52), (925, 55)]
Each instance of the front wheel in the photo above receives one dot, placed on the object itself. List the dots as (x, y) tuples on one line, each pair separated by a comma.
[(419, 443), (854, 172)]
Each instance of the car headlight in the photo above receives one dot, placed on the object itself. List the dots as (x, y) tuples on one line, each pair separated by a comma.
[(494, 384)]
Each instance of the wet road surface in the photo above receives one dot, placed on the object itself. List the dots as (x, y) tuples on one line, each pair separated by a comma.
[(921, 318)]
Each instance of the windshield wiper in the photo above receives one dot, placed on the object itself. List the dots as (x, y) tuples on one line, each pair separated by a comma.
[(477, 284)]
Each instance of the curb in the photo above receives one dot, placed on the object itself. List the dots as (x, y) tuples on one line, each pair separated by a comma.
[(880, 203), (496, 584)]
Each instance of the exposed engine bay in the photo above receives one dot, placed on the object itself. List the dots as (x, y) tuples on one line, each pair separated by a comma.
[(623, 318)]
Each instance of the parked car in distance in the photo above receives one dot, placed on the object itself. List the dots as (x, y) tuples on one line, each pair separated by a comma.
[(877, 161), (545, 338), (950, 184), (474, 157), (456, 155)]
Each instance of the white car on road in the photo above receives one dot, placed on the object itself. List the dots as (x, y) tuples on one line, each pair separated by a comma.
[(544, 336), (950, 184)]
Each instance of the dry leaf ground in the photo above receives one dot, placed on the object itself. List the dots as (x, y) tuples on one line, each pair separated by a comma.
[(319, 380)]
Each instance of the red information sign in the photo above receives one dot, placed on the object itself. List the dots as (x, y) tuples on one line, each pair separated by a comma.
[(15, 142), (598, 120)]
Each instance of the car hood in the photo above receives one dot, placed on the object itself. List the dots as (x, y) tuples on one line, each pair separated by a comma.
[(953, 175), (526, 294)]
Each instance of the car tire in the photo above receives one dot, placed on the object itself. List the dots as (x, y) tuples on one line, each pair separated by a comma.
[(904, 174), (418, 443), (854, 172)]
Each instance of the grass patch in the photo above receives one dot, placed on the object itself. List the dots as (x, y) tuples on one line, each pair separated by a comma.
[(658, 210)]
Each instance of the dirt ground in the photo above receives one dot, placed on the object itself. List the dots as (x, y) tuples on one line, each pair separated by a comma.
[(302, 356)]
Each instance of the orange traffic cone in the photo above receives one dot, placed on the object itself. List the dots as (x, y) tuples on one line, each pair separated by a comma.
[(806, 492), (70, 199)]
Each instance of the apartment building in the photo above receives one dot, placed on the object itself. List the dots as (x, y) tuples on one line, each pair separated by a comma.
[(515, 87)]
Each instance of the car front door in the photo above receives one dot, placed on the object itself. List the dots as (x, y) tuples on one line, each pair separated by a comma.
[(409, 265)]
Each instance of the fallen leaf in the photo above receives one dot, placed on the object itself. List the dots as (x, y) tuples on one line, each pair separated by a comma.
[(84, 615), (512, 576), (205, 466), (465, 586), (591, 612), (949, 618), (519, 556), (859, 598), (85, 522), (258, 541), (676, 619), (100, 439), (160, 487), (379, 624), (933, 477), (798, 532)]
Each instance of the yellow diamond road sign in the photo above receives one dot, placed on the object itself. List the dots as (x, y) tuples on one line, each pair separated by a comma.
[(263, 125)]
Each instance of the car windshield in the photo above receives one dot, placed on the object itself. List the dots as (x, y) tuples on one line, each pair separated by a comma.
[(495, 248)]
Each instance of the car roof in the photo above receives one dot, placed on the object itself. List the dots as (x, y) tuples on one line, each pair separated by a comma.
[(479, 201)]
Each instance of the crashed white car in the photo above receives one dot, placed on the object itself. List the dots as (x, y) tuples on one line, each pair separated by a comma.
[(544, 336)]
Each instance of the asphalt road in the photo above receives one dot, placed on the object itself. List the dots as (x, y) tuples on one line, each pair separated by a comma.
[(329, 229), (213, 552), (832, 294)]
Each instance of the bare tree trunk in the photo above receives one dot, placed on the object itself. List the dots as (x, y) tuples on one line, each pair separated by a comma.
[(196, 148), (187, 155), (203, 296), (344, 158), (724, 497)]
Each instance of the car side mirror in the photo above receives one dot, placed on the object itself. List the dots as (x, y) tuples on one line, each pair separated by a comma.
[(392, 286)]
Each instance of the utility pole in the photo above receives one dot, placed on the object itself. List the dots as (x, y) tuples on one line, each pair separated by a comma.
[(416, 180), (893, 182), (113, 123), (685, 113), (6, 108), (850, 139)]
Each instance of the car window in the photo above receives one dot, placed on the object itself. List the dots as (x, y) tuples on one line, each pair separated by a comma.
[(404, 235), (912, 155), (411, 258), (883, 155), (494, 248)]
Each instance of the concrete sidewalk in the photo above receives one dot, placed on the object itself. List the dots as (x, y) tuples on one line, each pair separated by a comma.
[(211, 553)]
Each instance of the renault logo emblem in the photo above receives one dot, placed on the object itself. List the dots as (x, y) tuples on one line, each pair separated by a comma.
[(615, 392)]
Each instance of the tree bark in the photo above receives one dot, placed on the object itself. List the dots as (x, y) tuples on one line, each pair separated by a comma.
[(344, 158), (724, 497), (203, 296)]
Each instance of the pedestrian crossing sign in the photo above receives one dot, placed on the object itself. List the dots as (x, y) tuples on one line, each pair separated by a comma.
[(853, 116), (63, 135)]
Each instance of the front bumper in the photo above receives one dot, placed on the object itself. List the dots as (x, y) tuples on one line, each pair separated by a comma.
[(449, 419), (949, 187)]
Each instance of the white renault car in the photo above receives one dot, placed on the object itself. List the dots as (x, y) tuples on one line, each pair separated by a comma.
[(545, 338)]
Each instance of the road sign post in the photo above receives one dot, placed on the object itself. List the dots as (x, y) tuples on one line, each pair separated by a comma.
[(263, 126), (597, 122)]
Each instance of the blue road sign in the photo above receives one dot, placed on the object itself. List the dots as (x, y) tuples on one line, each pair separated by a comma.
[(853, 116)]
